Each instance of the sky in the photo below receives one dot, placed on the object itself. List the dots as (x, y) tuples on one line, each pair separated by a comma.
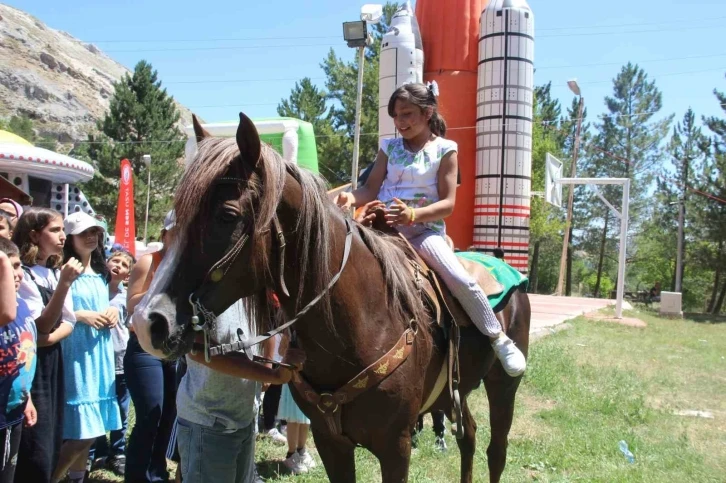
[(222, 57)]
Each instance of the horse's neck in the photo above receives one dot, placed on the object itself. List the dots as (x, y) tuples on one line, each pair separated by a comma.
[(361, 322)]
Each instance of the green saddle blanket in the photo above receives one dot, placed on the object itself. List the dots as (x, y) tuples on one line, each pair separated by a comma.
[(504, 273)]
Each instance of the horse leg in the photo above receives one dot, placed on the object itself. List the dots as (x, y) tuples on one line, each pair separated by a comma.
[(395, 457), (338, 458), (501, 390), (467, 444)]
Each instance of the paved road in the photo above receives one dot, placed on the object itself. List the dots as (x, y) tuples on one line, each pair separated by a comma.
[(549, 311)]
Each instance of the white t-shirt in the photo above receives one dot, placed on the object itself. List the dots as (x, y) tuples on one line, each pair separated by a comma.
[(48, 278), (413, 177)]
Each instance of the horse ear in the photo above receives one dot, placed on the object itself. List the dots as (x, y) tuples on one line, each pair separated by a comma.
[(248, 140), (199, 131)]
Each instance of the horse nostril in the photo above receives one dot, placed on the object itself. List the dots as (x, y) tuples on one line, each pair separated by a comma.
[(159, 329)]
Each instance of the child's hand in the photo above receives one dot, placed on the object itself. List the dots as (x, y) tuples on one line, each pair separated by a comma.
[(97, 320), (70, 272), (31, 415), (399, 213), (295, 358), (345, 200), (368, 213), (113, 317)]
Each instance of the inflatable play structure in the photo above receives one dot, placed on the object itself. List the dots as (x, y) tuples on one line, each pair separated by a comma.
[(48, 179), (292, 138)]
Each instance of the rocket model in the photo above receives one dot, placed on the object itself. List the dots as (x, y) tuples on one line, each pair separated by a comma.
[(450, 34), (481, 55), (401, 62), (504, 131)]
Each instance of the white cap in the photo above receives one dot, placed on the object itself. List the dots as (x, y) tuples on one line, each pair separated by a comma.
[(79, 222), (170, 220)]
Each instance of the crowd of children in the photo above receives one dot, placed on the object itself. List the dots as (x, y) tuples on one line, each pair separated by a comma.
[(70, 364)]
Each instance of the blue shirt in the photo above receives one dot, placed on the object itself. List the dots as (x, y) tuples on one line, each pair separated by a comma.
[(18, 348)]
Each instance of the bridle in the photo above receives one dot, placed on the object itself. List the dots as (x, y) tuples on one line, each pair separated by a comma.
[(203, 319)]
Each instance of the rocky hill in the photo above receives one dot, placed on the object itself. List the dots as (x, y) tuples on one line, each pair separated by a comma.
[(63, 84)]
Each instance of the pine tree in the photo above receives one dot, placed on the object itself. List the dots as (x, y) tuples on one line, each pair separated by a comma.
[(308, 103), (566, 135), (628, 145), (142, 119), (686, 147), (636, 153), (545, 222), (713, 181)]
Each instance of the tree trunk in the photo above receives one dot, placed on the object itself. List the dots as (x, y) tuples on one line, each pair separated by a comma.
[(719, 302), (533, 270), (716, 279), (602, 254), (568, 279)]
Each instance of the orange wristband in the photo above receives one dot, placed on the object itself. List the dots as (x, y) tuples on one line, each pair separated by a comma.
[(413, 216)]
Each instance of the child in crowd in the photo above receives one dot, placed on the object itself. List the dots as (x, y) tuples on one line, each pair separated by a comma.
[(46, 289), (91, 408), (13, 208), (114, 456), (6, 225), (18, 343), (298, 459)]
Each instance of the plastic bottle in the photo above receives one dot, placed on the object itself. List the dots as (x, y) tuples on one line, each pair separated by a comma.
[(624, 449)]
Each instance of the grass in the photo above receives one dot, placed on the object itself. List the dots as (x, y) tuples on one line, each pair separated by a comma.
[(585, 390)]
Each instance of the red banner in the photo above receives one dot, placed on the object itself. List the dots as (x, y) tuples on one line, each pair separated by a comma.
[(125, 231)]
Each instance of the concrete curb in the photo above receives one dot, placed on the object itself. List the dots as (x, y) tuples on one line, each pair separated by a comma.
[(538, 334)]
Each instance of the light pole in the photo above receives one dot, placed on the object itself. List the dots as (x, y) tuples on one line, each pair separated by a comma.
[(356, 35), (147, 162), (563, 259)]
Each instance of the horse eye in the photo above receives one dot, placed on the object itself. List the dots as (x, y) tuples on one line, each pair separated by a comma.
[(229, 216)]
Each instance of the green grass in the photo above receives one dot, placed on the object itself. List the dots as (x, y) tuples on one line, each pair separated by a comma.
[(585, 390)]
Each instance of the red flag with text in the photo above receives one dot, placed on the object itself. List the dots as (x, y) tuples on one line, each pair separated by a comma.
[(125, 231)]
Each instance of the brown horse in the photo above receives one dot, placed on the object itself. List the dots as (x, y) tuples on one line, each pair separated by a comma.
[(249, 222)]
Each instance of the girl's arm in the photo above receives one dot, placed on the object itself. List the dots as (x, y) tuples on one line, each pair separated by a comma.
[(139, 282), (447, 192), (369, 191), (53, 311), (8, 302), (65, 329)]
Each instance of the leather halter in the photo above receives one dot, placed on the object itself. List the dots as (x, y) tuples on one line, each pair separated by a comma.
[(203, 319)]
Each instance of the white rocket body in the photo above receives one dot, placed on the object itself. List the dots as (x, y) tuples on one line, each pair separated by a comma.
[(504, 131), (401, 62)]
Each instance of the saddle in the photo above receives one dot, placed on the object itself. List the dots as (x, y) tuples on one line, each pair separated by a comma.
[(442, 303)]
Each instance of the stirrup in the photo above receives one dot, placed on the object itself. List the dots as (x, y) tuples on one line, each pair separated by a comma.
[(457, 426)]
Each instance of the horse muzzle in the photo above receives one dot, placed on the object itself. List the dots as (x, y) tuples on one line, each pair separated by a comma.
[(159, 334)]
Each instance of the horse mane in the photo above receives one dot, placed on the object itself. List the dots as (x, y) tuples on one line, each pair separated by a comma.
[(266, 185)]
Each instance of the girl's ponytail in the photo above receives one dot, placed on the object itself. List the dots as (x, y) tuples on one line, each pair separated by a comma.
[(437, 124)]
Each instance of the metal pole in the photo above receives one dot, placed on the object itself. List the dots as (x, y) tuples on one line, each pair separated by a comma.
[(570, 199), (358, 107), (679, 255), (66, 193), (148, 195), (623, 249)]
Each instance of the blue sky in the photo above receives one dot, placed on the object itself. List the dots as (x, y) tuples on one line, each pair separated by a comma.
[(273, 43)]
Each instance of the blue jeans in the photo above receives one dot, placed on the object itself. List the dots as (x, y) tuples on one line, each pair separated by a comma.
[(152, 385), (215, 453), (101, 447)]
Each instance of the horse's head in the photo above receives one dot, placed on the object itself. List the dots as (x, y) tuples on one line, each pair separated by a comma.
[(221, 243)]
